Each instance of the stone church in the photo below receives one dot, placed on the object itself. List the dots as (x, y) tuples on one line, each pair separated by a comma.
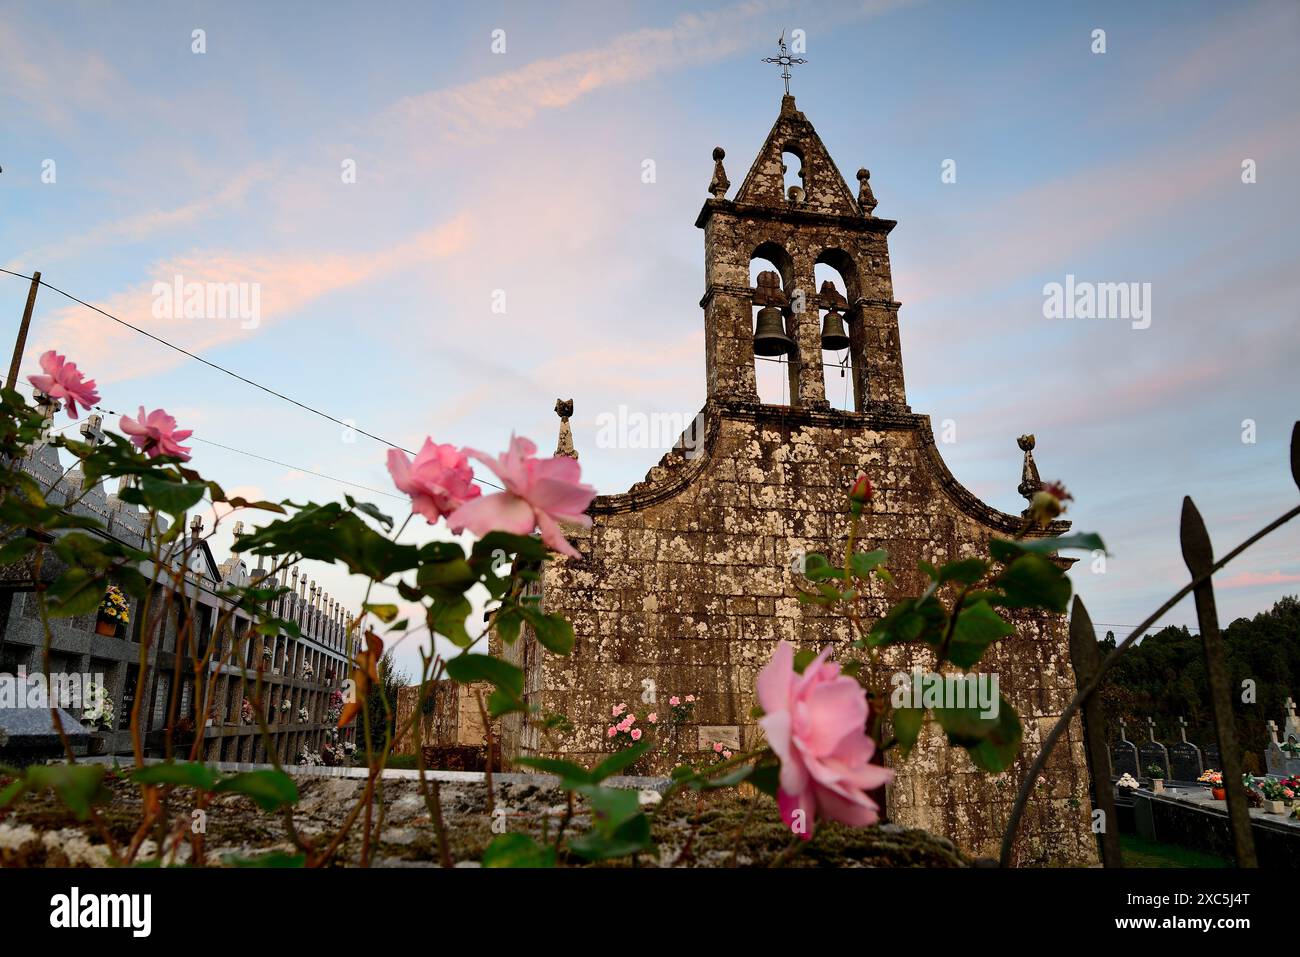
[(686, 582)]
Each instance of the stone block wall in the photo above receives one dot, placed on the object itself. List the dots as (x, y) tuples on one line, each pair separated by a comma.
[(687, 580)]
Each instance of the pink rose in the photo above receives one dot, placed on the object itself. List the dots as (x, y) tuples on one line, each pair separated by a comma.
[(636, 734), (717, 747), (815, 723), (156, 434), (619, 709), (727, 755), (539, 494), (612, 731), (63, 380), (690, 699), (652, 717), (439, 481), (674, 701)]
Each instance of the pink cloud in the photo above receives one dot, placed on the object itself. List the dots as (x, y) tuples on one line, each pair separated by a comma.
[(1257, 579)]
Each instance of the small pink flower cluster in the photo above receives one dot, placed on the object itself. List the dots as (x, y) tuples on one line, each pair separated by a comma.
[(723, 752), (624, 731), (682, 709)]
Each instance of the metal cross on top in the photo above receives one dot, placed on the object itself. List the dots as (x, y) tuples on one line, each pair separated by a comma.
[(785, 60)]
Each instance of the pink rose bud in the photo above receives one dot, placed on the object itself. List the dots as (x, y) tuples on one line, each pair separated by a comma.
[(612, 731), (717, 746), (652, 717), (1048, 502), (860, 493), (674, 701), (636, 734)]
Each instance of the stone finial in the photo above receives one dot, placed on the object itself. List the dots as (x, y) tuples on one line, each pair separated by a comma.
[(719, 185), (830, 297), (196, 526), (768, 291), (564, 446), (1272, 730), (1182, 728), (1151, 729), (866, 198), (1030, 483), (1123, 730)]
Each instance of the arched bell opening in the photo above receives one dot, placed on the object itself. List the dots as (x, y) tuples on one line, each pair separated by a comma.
[(833, 311), (776, 357), (794, 180), (842, 339)]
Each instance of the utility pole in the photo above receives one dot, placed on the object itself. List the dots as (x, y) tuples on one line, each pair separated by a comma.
[(21, 343)]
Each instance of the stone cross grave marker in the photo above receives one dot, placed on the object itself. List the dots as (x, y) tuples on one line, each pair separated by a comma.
[(1152, 752), (1185, 762), (1124, 755)]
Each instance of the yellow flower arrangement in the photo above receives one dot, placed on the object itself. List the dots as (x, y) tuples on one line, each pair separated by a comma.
[(114, 606)]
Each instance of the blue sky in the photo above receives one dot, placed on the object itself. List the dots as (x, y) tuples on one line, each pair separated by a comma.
[(522, 172)]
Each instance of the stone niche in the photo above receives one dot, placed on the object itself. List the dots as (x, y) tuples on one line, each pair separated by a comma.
[(687, 579)]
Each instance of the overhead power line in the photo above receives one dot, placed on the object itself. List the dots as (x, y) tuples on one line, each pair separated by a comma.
[(234, 375)]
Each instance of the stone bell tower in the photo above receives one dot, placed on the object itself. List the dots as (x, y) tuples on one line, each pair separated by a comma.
[(818, 222), (687, 580)]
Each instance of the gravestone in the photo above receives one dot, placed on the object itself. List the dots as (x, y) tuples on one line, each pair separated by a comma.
[(1212, 759), (1283, 753), (1152, 752), (1185, 762), (1123, 756)]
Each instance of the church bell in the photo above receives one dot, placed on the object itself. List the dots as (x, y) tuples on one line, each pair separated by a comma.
[(769, 334), (834, 336)]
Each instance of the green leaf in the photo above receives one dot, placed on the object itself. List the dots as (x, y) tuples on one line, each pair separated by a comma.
[(446, 578), (1004, 549), (268, 789), (447, 618), (816, 568), (992, 743), (999, 748), (907, 727), (496, 547), (618, 761), (507, 622), (864, 563), (467, 669), (371, 510), (172, 498), (1032, 581), (16, 548), (554, 632), (78, 786), (75, 592), (766, 777), (517, 850), (618, 826), (187, 774), (803, 658), (964, 571), (502, 702), (385, 613), (977, 627), (570, 774)]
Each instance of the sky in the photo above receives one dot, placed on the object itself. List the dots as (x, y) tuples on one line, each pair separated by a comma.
[(447, 217)]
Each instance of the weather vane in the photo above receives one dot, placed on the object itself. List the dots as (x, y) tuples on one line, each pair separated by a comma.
[(786, 61)]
